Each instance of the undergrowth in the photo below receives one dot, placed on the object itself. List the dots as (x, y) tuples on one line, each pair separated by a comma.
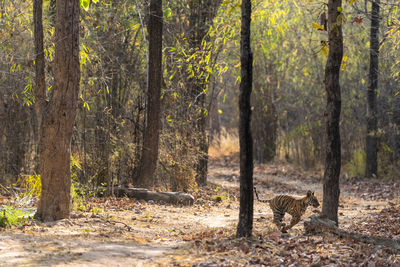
[(356, 166), (226, 144), (14, 216), (388, 168), (21, 212)]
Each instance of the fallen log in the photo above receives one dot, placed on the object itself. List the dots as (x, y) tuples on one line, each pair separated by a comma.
[(318, 225), (144, 194)]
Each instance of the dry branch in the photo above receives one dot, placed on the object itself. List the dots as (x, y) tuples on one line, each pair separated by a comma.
[(319, 225)]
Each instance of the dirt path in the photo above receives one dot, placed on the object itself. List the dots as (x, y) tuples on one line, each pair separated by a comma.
[(132, 233), (355, 201)]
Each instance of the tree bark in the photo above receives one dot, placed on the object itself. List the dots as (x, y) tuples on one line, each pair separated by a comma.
[(245, 225), (59, 116), (265, 118), (371, 166), (202, 13), (152, 128), (331, 189), (40, 79)]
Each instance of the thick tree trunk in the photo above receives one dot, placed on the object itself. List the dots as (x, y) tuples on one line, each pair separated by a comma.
[(152, 128), (59, 117), (245, 225), (371, 166), (333, 106)]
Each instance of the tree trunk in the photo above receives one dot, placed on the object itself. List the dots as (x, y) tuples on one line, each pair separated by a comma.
[(152, 128), (144, 194), (265, 119), (40, 82), (331, 189), (59, 117), (245, 225), (202, 165), (52, 12), (371, 166), (202, 13)]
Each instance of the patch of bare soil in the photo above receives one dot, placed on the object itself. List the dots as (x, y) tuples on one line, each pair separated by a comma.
[(123, 232)]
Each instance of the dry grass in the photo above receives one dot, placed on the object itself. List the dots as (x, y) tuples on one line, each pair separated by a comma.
[(227, 144)]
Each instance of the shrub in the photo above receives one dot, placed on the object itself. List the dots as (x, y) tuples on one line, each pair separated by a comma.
[(11, 216), (356, 167)]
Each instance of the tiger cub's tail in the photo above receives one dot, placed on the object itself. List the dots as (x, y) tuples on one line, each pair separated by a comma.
[(258, 198)]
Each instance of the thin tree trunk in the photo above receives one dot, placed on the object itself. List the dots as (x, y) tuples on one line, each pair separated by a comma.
[(202, 166), (152, 128), (40, 82), (371, 166), (59, 118), (331, 189), (245, 225)]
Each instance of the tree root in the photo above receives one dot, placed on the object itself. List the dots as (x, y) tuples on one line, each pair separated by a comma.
[(318, 225)]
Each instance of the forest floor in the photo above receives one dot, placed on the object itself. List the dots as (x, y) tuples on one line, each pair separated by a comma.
[(124, 232)]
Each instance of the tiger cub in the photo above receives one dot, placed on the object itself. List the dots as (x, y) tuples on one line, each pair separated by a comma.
[(295, 207)]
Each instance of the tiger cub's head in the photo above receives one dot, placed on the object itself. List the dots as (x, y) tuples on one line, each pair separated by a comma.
[(312, 200)]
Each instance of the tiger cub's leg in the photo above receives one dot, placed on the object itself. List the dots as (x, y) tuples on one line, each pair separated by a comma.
[(293, 222), (278, 216)]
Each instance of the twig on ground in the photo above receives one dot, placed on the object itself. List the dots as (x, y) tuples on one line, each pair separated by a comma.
[(115, 222)]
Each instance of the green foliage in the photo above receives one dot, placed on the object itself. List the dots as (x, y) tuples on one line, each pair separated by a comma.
[(167, 13), (221, 195), (86, 3), (177, 175), (388, 167), (79, 192), (30, 184), (97, 211), (289, 46), (356, 166), (11, 216)]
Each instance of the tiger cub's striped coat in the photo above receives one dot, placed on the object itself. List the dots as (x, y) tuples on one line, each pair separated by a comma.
[(287, 204)]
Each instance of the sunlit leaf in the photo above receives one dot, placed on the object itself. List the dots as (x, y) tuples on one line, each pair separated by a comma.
[(225, 2), (167, 13), (85, 4), (325, 50), (317, 26)]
